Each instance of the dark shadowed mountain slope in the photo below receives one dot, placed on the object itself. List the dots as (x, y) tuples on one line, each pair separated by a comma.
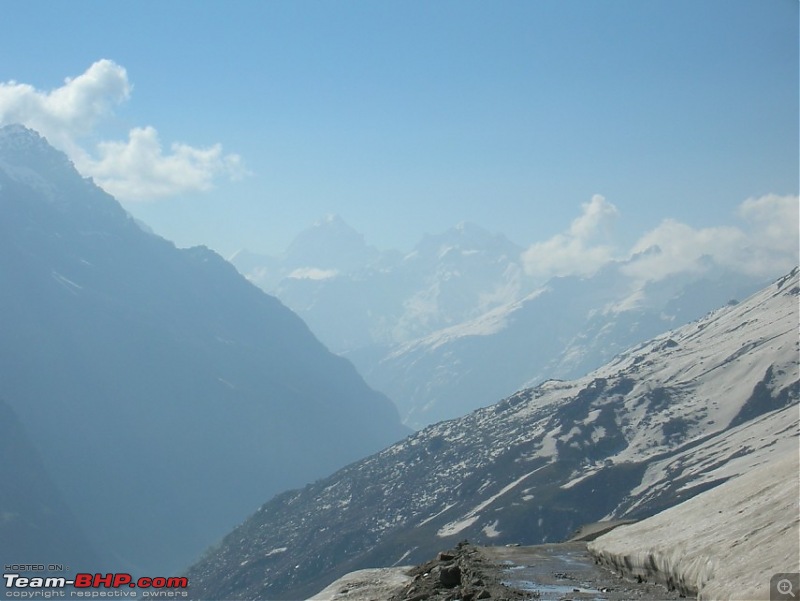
[(662, 422), (166, 394), (36, 526)]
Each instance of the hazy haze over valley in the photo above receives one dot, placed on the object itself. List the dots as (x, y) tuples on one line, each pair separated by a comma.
[(421, 325)]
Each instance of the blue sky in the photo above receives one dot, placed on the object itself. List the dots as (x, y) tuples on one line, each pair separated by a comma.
[(408, 117)]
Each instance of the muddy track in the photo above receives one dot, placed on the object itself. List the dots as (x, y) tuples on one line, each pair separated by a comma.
[(556, 571), (566, 571)]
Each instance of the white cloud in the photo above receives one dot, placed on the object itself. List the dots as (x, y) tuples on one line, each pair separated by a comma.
[(581, 250), (71, 110), (139, 170), (766, 244), (773, 220), (135, 169), (674, 247), (313, 273), (596, 219)]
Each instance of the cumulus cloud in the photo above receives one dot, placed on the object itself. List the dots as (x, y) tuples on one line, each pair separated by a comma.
[(773, 220), (70, 111), (674, 247), (766, 243), (581, 250), (134, 169), (138, 169)]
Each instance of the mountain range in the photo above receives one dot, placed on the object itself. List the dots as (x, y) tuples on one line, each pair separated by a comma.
[(165, 394), (664, 421), (458, 321), (354, 296)]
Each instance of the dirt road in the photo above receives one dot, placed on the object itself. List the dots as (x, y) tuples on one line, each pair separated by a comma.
[(565, 571), (547, 572)]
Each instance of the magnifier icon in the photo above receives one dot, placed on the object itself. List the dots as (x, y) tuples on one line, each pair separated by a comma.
[(785, 587)]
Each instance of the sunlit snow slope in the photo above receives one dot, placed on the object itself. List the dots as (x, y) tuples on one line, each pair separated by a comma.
[(725, 543)]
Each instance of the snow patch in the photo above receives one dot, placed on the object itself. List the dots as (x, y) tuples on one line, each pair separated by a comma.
[(455, 527), (435, 515), (472, 516), (365, 585), (66, 282), (490, 530)]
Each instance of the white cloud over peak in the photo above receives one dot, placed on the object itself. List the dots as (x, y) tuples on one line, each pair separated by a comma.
[(71, 110), (674, 247), (596, 219), (134, 169), (581, 250), (766, 243)]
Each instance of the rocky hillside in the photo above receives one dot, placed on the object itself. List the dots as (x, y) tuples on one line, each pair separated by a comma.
[(156, 383), (661, 423)]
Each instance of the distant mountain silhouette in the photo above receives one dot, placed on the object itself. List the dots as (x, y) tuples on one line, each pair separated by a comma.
[(356, 298), (166, 394)]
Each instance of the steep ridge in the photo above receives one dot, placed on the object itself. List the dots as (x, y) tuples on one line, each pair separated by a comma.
[(661, 423), (166, 395)]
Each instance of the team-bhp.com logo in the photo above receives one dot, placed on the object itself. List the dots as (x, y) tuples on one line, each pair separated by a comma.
[(93, 585)]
